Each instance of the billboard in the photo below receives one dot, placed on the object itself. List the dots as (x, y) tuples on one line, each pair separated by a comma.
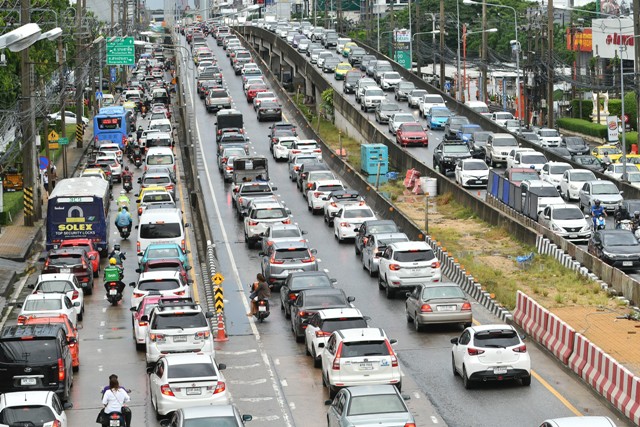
[(582, 40), (608, 35), (616, 7)]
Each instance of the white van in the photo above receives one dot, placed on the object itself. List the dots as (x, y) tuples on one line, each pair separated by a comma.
[(479, 107), (160, 156), (160, 226), (161, 125)]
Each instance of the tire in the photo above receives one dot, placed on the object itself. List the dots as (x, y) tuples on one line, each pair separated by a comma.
[(140, 347), (306, 346), (388, 292), (466, 382), (355, 248), (416, 325), (453, 367), (408, 316), (526, 381), (380, 283), (333, 391), (75, 369), (287, 313), (317, 362), (81, 314), (371, 272)]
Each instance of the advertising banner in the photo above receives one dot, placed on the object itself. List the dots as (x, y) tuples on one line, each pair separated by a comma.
[(582, 40), (609, 35), (402, 47), (612, 128)]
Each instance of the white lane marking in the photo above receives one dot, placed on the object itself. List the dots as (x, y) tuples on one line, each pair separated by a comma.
[(99, 350), (284, 383), (253, 365), (416, 395), (276, 361), (99, 368), (237, 353), (102, 323), (255, 399), (434, 419), (236, 274), (268, 418), (14, 297), (292, 406), (100, 337), (252, 382), (104, 309)]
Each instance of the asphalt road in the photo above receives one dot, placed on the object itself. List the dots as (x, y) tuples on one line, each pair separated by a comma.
[(287, 387)]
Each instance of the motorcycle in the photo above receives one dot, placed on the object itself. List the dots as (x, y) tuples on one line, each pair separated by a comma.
[(127, 184), (625, 224), (113, 295), (137, 160), (114, 419), (125, 231), (599, 223), (263, 310)]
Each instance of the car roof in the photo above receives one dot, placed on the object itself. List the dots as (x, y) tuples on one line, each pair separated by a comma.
[(353, 207), (336, 313), (152, 275), (406, 246), (491, 327), (160, 215), (361, 334), (187, 358), (592, 421), (159, 150), (55, 276), (22, 398), (290, 244), (208, 411), (44, 296)]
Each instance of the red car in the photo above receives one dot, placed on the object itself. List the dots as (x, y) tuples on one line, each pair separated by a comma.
[(87, 245), (411, 134), (169, 264), (253, 90)]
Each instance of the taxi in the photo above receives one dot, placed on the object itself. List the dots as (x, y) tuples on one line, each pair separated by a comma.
[(342, 69), (613, 151), (139, 196), (97, 172), (72, 334), (347, 48)]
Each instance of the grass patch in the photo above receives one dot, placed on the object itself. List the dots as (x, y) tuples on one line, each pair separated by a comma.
[(393, 189), (13, 203)]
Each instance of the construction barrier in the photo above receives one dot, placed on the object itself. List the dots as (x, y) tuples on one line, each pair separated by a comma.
[(578, 358), (531, 316), (559, 338)]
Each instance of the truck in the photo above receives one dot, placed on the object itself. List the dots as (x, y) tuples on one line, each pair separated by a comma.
[(250, 168), (229, 119)]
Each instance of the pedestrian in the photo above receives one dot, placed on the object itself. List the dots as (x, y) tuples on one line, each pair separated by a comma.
[(53, 176), (45, 180)]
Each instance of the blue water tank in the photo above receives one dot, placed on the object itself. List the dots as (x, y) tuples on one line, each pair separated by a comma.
[(371, 155)]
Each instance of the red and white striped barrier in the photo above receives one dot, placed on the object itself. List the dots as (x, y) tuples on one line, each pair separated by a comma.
[(559, 338), (531, 316), (578, 358)]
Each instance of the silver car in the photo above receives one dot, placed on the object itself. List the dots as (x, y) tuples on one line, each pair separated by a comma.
[(605, 191), (436, 303), (283, 258), (228, 415), (373, 245), (280, 233)]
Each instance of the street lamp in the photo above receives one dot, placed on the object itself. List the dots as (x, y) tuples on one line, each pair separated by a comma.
[(465, 33), (21, 38)]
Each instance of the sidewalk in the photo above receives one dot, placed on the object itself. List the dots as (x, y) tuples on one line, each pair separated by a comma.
[(17, 241)]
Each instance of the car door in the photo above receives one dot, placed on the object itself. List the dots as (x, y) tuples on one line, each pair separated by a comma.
[(367, 250), (310, 331), (336, 410), (413, 300), (384, 261), (585, 195), (156, 379), (70, 311), (545, 219), (460, 349), (295, 309), (329, 352)]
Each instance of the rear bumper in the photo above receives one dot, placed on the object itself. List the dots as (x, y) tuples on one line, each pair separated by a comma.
[(445, 317), (489, 375)]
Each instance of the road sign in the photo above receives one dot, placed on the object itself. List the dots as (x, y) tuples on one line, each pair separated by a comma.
[(121, 51), (447, 85), (99, 95), (63, 141), (626, 118), (113, 74), (53, 136), (54, 145), (218, 278), (43, 162)]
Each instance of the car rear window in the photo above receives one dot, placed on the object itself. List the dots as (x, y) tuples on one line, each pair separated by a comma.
[(286, 232), (331, 325), (364, 348), (270, 213), (164, 159), (306, 282), (325, 300), (376, 404), (55, 286), (358, 213), (194, 370), (382, 228), (69, 259), (438, 292), (35, 414), (414, 255), (158, 285), (36, 304), (332, 187), (179, 321), (162, 197), (497, 338), (256, 189), (293, 253), (32, 351)]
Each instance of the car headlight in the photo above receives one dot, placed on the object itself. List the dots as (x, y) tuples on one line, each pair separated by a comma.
[(586, 228), (555, 227), (447, 159), (608, 254)]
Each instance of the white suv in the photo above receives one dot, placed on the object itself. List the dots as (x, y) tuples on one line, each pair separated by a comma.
[(361, 356), (262, 214), (404, 265), (349, 219), (178, 325), (317, 194), (323, 323), (490, 353)]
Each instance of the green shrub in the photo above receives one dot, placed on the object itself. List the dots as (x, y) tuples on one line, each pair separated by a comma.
[(615, 108), (587, 107), (583, 126), (13, 203)]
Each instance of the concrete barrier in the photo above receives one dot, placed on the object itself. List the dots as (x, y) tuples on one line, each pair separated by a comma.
[(559, 338), (531, 316)]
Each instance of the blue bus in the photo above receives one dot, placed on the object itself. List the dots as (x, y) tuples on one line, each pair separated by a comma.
[(111, 124)]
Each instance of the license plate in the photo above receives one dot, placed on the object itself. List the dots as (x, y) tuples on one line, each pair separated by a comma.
[(262, 308), (416, 270), (28, 381), (180, 338), (271, 111), (627, 263), (114, 423), (446, 308), (573, 236), (113, 292), (193, 390), (499, 371), (478, 181), (366, 366), (65, 270)]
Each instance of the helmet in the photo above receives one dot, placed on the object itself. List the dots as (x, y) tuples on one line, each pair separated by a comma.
[(127, 168), (597, 202), (116, 247), (636, 213), (139, 127), (122, 192), (112, 261)]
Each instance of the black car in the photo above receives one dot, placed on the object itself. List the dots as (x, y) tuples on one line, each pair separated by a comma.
[(532, 137), (364, 62), (453, 125), (618, 248), (304, 170), (589, 161), (300, 281), (350, 81), (355, 56), (386, 109), (330, 65), (447, 154), (36, 357), (560, 151), (403, 90), (310, 301), (372, 227), (575, 144), (478, 142), (269, 110), (282, 129)]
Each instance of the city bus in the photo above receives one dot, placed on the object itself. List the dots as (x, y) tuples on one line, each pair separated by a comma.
[(111, 124)]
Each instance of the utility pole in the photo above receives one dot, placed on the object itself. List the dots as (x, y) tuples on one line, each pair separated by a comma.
[(63, 101), (326, 13), (483, 68), (125, 6), (111, 28), (442, 27), (78, 76), (417, 31), (30, 177), (550, 71), (339, 15), (392, 27), (636, 47)]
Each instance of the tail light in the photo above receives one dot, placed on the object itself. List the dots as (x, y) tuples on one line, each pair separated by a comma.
[(56, 423), (296, 151), (46, 264), (22, 319), (140, 211), (287, 221), (303, 313), (75, 295), (466, 306), (219, 388), (138, 246), (202, 335), (143, 323), (276, 261), (435, 264), (224, 160), (317, 195), (521, 349), (336, 361), (394, 267), (344, 224), (334, 204), (229, 168), (253, 223), (61, 372), (309, 185), (180, 293), (292, 297), (426, 308), (157, 337), (308, 260), (410, 425), (317, 150), (240, 200), (394, 359), (474, 351), (166, 390), (182, 245), (321, 334), (365, 240), (84, 264), (137, 295)]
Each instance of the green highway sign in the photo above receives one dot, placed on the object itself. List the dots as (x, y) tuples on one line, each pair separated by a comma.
[(121, 51), (63, 141)]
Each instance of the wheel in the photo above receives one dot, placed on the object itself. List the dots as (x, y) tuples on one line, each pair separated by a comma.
[(416, 325), (309, 208), (526, 381), (355, 248), (371, 272), (388, 292), (333, 391), (317, 362), (140, 347), (81, 314), (306, 346), (380, 284), (281, 305), (90, 289), (467, 325), (453, 367), (465, 379), (408, 316), (287, 312)]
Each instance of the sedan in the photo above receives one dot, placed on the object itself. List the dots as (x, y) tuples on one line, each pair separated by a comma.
[(472, 173), (369, 405), (385, 110), (48, 305), (63, 284), (399, 118), (605, 191), (279, 233), (69, 117), (299, 281), (329, 65), (490, 353), (348, 219), (269, 110), (411, 134), (223, 415), (436, 303), (310, 302), (618, 248), (342, 69)]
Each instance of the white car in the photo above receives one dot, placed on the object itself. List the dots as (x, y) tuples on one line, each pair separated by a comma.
[(552, 172), (472, 173), (371, 98), (178, 326), (634, 179), (490, 353), (616, 170), (33, 408), (264, 96), (336, 201), (501, 117), (69, 117), (46, 305), (566, 221), (349, 218), (262, 214), (526, 158), (389, 80), (63, 284), (317, 194), (323, 323), (111, 147), (166, 283), (549, 137), (282, 148), (573, 180), (414, 97), (186, 380), (116, 167), (397, 119), (305, 146), (403, 265), (428, 101), (361, 356)]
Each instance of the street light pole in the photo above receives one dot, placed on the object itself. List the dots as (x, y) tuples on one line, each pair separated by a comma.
[(466, 33), (459, 90)]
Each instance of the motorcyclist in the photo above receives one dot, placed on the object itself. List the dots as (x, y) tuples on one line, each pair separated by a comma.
[(124, 220), (123, 201), (597, 210), (113, 273), (621, 214), (118, 255), (136, 152), (115, 400), (605, 159), (139, 133), (260, 292), (126, 172)]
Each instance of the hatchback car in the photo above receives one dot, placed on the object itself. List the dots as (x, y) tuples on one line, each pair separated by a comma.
[(490, 353), (167, 283), (179, 381), (140, 323), (572, 181), (348, 220), (164, 251), (618, 248), (437, 303), (472, 173), (359, 357), (312, 300), (88, 246), (282, 258), (605, 191), (47, 305), (299, 281), (406, 265), (65, 284), (33, 408)]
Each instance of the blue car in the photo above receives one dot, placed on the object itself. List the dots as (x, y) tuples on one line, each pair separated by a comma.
[(466, 132), (164, 251), (437, 117)]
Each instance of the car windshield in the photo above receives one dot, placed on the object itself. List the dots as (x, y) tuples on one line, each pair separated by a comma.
[(389, 107), (619, 239), (567, 213), (604, 188), (325, 300), (416, 255), (441, 292), (269, 213), (499, 338), (504, 142), (310, 281), (158, 285), (358, 213), (166, 230), (285, 232), (55, 287), (158, 253), (535, 159), (375, 92), (162, 127), (609, 150), (331, 325), (558, 169), (586, 160), (475, 166), (192, 370), (574, 142), (364, 348), (179, 321), (37, 304), (27, 415), (633, 177), (32, 351), (455, 148), (403, 118), (412, 128), (549, 133), (391, 76), (292, 253), (376, 404)]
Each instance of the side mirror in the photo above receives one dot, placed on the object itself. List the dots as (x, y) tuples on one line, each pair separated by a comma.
[(454, 341), (144, 318), (351, 299), (138, 270), (133, 309), (393, 341), (274, 188), (164, 423), (222, 366), (149, 372), (208, 315), (523, 336), (139, 182), (136, 227), (76, 304), (247, 417), (328, 402), (31, 286), (357, 230), (72, 340), (187, 225), (304, 232), (314, 251), (379, 254), (67, 405), (92, 257)]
